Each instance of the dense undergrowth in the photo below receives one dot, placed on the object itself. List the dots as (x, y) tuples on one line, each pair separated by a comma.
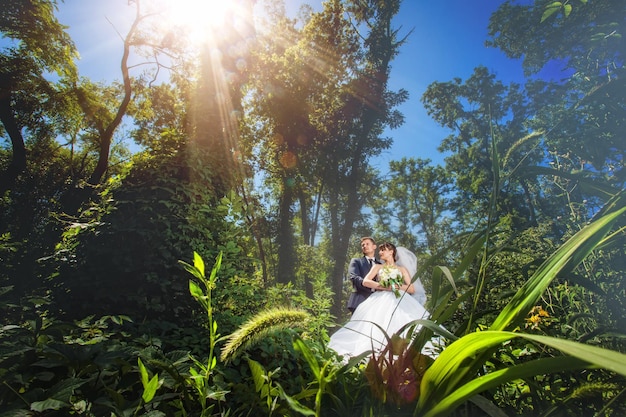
[(277, 364)]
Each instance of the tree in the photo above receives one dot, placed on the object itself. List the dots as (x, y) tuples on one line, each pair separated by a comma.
[(367, 109), (38, 45), (583, 113), (486, 117), (298, 74), (321, 105), (413, 205), (215, 111)]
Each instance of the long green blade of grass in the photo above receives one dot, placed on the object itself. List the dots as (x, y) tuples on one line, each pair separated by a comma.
[(483, 383), (451, 367), (441, 389)]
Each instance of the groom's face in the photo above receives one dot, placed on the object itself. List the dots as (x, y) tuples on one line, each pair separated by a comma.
[(368, 247)]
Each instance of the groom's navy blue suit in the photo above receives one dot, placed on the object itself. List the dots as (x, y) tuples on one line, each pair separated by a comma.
[(358, 269)]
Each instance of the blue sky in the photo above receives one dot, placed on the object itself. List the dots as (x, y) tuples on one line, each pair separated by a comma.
[(447, 41)]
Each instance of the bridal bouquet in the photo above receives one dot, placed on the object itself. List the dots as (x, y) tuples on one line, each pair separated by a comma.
[(391, 277)]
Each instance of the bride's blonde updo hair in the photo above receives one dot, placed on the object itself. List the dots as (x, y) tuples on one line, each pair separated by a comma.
[(390, 246)]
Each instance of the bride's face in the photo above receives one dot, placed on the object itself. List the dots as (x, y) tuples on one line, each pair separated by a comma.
[(385, 254)]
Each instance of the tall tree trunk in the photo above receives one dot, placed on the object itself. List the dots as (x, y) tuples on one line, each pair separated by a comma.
[(18, 161), (343, 232), (286, 250), (304, 217), (372, 114), (106, 136)]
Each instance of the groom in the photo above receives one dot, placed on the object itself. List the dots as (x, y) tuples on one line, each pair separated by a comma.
[(358, 269)]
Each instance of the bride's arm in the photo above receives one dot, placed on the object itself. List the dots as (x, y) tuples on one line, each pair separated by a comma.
[(369, 282), (408, 287)]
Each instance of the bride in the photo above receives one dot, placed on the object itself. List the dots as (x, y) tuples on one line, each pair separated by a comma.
[(395, 302)]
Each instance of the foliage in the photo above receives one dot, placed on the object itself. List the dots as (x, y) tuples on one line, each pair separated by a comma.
[(588, 102), (203, 374), (159, 208), (37, 43), (412, 206), (333, 387), (48, 366), (565, 259)]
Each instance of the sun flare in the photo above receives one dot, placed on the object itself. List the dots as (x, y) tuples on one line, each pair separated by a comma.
[(198, 18)]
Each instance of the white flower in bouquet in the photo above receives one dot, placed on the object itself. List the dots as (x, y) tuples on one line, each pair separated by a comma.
[(390, 277)]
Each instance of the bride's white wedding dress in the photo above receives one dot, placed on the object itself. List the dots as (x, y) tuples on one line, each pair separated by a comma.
[(382, 308)]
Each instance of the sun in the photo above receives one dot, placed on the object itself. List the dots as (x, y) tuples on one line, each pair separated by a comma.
[(199, 18)]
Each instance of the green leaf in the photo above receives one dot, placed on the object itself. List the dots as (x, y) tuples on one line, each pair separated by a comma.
[(470, 256), (192, 270), (48, 404), (567, 9), (216, 267), (299, 345), (59, 395), (604, 358), (450, 380), (257, 374), (295, 404), (143, 372), (452, 365), (198, 262), (150, 389), (195, 290), (497, 378), (551, 9)]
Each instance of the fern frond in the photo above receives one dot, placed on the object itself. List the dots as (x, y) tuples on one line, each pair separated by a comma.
[(259, 326)]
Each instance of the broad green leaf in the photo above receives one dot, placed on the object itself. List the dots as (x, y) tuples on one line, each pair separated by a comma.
[(192, 270), (149, 386), (616, 202), (48, 404), (604, 358), (58, 395), (257, 374), (494, 379), (440, 270), (216, 267), (450, 368), (447, 382), (195, 290), (295, 404)]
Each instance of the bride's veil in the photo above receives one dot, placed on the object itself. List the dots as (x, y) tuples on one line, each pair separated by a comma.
[(407, 259)]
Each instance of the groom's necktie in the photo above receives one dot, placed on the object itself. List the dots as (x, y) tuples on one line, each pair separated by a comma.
[(371, 261)]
